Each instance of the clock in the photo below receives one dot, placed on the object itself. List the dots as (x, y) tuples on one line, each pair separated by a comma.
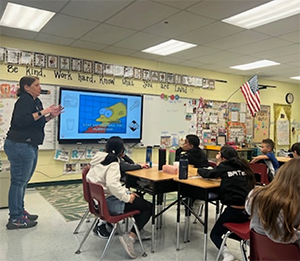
[(289, 98)]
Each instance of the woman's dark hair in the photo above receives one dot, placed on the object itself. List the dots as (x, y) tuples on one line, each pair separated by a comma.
[(26, 80), (231, 155), (114, 147)]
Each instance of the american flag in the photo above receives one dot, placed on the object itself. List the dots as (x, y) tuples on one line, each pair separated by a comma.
[(251, 93)]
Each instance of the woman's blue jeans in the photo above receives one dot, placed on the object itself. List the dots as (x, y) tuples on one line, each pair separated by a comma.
[(23, 158)]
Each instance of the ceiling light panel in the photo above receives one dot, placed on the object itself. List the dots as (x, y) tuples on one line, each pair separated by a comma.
[(255, 65), (264, 14), (24, 17), (169, 47)]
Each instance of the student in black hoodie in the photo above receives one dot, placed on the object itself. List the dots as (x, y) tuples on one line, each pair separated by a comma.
[(196, 156), (237, 180)]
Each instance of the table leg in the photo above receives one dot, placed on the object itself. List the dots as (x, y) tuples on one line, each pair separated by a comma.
[(178, 218), (205, 226), (153, 223)]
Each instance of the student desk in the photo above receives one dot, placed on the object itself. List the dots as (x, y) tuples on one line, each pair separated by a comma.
[(202, 187), (158, 184), (283, 160)]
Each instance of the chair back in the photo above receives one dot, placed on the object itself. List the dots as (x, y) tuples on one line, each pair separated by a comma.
[(86, 193), (261, 170), (97, 193), (212, 163), (263, 248)]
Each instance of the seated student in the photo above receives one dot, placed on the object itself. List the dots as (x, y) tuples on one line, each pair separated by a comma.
[(275, 209), (195, 155), (102, 228), (237, 180), (295, 149), (105, 169), (268, 157), (127, 164)]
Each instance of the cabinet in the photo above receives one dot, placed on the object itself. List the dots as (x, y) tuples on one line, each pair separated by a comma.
[(4, 187)]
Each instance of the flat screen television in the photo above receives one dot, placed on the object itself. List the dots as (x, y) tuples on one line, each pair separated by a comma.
[(92, 116)]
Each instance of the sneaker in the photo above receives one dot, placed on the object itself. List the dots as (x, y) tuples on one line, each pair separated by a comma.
[(29, 216), (227, 256), (101, 231), (23, 222), (127, 242), (145, 235)]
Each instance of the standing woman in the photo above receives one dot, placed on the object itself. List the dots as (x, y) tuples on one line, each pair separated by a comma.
[(26, 132)]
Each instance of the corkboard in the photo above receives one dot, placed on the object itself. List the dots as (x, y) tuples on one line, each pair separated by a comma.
[(261, 124)]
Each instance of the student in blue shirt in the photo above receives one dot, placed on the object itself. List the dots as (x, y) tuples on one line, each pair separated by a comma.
[(268, 157)]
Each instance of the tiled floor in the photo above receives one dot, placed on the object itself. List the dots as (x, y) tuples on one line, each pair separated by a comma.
[(53, 239)]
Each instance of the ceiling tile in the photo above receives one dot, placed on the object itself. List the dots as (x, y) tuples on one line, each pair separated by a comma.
[(88, 45), (216, 57), (141, 14), (48, 5), (178, 4), (118, 50), (285, 50), (67, 26), (292, 37), (210, 33), (178, 24), (109, 34), (223, 9), (140, 41), (194, 52), (168, 59), (17, 33), (48, 38), (260, 46), (283, 26), (238, 39), (95, 10)]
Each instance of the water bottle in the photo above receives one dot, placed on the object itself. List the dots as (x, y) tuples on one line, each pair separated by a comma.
[(161, 158), (149, 156), (183, 166), (172, 156)]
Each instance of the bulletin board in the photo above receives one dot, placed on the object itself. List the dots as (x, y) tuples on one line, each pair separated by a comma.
[(166, 117), (8, 91), (214, 120), (282, 120), (239, 122), (261, 124)]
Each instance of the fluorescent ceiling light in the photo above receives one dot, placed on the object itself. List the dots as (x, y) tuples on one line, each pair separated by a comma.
[(296, 78), (169, 47), (264, 14), (24, 17), (254, 65)]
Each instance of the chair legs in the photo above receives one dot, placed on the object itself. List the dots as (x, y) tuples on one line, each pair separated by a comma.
[(223, 244), (110, 239), (81, 221), (139, 237), (85, 236), (243, 247)]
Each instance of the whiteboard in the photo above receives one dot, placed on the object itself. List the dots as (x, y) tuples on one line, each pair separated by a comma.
[(7, 101), (165, 118)]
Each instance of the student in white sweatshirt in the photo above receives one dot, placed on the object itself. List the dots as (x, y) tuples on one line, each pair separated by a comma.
[(105, 169)]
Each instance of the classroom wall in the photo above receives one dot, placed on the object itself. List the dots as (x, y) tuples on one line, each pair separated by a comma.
[(53, 168)]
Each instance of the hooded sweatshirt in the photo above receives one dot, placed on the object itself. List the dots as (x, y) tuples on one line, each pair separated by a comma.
[(108, 176), (196, 157), (234, 181)]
